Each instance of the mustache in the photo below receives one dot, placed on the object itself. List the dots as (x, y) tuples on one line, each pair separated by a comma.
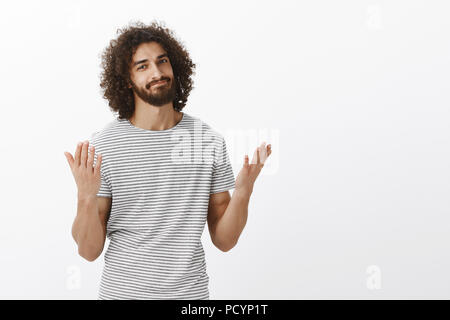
[(152, 83)]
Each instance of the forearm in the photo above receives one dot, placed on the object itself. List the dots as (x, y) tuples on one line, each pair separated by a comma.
[(87, 229), (229, 227)]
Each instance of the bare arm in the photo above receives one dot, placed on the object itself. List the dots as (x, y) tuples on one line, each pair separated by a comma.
[(89, 227), (227, 217)]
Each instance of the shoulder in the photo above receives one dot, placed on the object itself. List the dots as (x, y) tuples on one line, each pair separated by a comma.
[(106, 135), (198, 125)]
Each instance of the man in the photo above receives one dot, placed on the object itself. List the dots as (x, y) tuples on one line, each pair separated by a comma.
[(152, 177)]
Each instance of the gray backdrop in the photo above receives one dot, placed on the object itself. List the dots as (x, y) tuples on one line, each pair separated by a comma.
[(352, 95)]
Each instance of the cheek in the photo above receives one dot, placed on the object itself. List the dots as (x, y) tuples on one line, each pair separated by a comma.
[(167, 70), (134, 80), (141, 81)]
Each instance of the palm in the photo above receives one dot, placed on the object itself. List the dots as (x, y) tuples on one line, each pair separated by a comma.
[(250, 171)]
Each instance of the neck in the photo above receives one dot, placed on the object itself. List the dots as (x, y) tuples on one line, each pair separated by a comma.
[(155, 118)]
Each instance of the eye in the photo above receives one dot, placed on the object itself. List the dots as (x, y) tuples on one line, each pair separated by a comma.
[(164, 59), (141, 66)]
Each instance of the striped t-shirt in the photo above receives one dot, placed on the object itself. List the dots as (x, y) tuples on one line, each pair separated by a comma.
[(160, 183)]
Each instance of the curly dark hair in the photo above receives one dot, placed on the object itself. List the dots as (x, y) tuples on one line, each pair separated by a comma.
[(116, 59)]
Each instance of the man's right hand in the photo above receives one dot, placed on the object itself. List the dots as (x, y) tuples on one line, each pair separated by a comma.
[(87, 177)]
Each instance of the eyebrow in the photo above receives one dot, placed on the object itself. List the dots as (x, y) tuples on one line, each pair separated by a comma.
[(145, 60)]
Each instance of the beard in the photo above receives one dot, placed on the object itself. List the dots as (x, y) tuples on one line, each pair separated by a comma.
[(157, 96)]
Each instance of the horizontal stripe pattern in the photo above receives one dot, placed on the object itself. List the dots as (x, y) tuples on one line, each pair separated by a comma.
[(160, 183)]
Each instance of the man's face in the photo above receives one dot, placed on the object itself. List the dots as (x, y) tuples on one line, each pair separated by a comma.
[(150, 64)]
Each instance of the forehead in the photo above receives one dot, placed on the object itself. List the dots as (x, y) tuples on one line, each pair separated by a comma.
[(148, 50)]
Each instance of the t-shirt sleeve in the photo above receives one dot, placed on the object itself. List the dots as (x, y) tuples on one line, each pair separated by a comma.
[(105, 186), (223, 176)]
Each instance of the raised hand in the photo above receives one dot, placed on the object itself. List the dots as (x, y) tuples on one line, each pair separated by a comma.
[(87, 177), (250, 171)]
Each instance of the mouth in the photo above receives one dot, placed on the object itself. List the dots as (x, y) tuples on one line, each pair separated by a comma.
[(157, 84)]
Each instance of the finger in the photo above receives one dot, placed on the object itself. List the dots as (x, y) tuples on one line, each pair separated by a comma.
[(269, 149), (69, 158), (78, 153), (90, 161), (258, 159), (84, 154), (254, 157), (263, 152), (246, 161), (98, 164)]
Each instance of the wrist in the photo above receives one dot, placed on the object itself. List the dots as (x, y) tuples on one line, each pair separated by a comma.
[(245, 192), (83, 197)]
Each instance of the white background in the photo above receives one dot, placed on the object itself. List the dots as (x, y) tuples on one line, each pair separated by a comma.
[(353, 96)]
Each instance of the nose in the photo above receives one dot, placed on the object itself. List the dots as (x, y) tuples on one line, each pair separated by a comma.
[(156, 74)]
